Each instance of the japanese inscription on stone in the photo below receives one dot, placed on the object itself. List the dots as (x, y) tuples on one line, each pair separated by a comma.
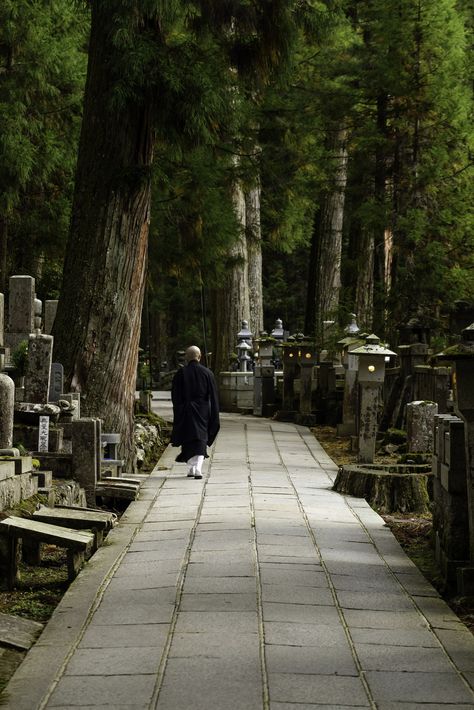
[(43, 434)]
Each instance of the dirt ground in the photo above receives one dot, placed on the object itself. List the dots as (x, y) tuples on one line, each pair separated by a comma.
[(413, 532)]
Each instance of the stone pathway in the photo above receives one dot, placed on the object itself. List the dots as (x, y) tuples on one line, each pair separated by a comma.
[(256, 588)]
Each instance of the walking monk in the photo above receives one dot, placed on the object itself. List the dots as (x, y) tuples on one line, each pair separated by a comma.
[(195, 410)]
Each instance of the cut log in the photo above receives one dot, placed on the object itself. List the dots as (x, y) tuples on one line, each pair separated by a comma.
[(385, 491)]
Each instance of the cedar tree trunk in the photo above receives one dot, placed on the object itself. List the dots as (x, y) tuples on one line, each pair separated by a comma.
[(325, 272), (254, 254), (97, 326), (231, 299)]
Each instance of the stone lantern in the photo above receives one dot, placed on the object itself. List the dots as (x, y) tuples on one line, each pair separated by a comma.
[(350, 363), (370, 373), (245, 334), (264, 377), (243, 354), (278, 333)]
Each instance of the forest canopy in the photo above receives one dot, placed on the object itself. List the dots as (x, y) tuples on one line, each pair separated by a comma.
[(310, 159)]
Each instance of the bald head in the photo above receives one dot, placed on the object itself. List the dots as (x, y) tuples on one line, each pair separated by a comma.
[(192, 353)]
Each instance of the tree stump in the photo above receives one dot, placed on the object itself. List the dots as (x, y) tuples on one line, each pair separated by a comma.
[(386, 490)]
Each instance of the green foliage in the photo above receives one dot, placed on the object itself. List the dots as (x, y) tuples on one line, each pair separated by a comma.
[(413, 110), (42, 71), (19, 357)]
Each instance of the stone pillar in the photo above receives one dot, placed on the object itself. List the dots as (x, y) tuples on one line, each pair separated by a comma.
[(263, 390), (420, 425), (99, 449), (84, 456), (306, 388), (2, 327), (21, 310), (350, 402), (290, 372), (368, 422), (7, 404), (50, 308), (38, 369)]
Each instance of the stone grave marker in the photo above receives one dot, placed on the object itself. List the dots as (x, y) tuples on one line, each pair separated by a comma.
[(56, 384), (50, 308), (7, 404), (38, 369), (21, 310), (420, 424)]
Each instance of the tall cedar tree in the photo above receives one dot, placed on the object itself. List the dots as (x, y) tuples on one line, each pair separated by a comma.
[(97, 326), (42, 72), (411, 160)]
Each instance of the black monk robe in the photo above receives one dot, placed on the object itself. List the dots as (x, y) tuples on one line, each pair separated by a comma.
[(195, 410)]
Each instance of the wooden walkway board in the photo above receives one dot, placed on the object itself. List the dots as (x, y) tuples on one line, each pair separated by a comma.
[(54, 534), (73, 518)]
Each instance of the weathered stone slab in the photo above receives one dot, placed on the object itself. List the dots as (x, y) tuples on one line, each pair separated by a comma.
[(420, 424), (21, 311), (85, 453), (38, 369), (50, 309), (17, 488), (56, 384), (18, 633), (7, 403)]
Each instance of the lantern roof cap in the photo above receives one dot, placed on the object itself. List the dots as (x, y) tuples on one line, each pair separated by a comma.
[(372, 347)]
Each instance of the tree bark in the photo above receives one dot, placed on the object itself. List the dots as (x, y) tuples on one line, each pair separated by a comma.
[(97, 326), (231, 302), (380, 243), (254, 255), (327, 247), (364, 299)]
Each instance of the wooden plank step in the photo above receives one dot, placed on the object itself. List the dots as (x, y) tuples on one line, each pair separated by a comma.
[(45, 532), (121, 479), (75, 518), (33, 533), (18, 633)]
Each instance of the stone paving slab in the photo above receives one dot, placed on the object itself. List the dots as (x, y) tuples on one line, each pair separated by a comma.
[(311, 660), (395, 686), (299, 688), (255, 588)]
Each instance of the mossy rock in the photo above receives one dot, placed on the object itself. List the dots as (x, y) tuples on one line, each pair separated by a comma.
[(395, 436)]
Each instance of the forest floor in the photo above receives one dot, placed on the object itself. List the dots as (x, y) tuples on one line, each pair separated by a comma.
[(413, 532)]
